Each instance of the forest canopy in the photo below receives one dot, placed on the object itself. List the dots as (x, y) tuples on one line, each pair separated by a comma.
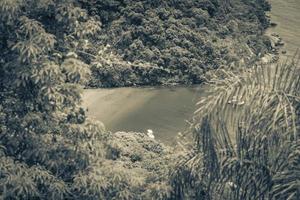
[(177, 41)]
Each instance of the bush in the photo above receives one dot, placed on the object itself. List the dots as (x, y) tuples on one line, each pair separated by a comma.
[(133, 167)]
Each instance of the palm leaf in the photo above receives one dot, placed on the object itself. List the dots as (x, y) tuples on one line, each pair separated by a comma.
[(246, 130)]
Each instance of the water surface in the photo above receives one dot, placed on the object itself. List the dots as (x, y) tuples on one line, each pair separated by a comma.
[(286, 13), (166, 111)]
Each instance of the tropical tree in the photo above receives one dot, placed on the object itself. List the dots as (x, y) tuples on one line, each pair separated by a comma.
[(43, 128)]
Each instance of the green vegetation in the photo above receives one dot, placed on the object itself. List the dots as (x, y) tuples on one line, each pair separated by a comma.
[(48, 148), (246, 131), (177, 41), (43, 130), (128, 43), (247, 137)]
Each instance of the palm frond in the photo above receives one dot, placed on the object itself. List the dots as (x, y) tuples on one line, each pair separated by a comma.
[(247, 131)]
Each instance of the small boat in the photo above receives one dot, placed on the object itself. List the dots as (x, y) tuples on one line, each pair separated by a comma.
[(150, 134)]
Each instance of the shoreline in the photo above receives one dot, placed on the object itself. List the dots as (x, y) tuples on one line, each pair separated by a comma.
[(287, 28)]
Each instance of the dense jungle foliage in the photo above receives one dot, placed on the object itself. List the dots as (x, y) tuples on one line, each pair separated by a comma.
[(50, 150), (164, 42)]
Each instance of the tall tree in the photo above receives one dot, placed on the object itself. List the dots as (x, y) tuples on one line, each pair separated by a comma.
[(42, 125)]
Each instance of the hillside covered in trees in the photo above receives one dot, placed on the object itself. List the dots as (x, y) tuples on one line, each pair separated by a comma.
[(51, 49), (161, 42)]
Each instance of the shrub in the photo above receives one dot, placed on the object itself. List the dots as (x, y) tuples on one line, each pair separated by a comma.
[(135, 167)]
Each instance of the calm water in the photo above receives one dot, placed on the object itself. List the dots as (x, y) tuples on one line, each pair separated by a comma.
[(167, 110), (286, 13), (164, 110)]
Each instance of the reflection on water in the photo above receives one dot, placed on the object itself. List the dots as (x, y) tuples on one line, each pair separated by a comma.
[(163, 110)]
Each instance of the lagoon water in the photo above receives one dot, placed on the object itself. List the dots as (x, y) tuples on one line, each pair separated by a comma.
[(164, 110), (167, 111)]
